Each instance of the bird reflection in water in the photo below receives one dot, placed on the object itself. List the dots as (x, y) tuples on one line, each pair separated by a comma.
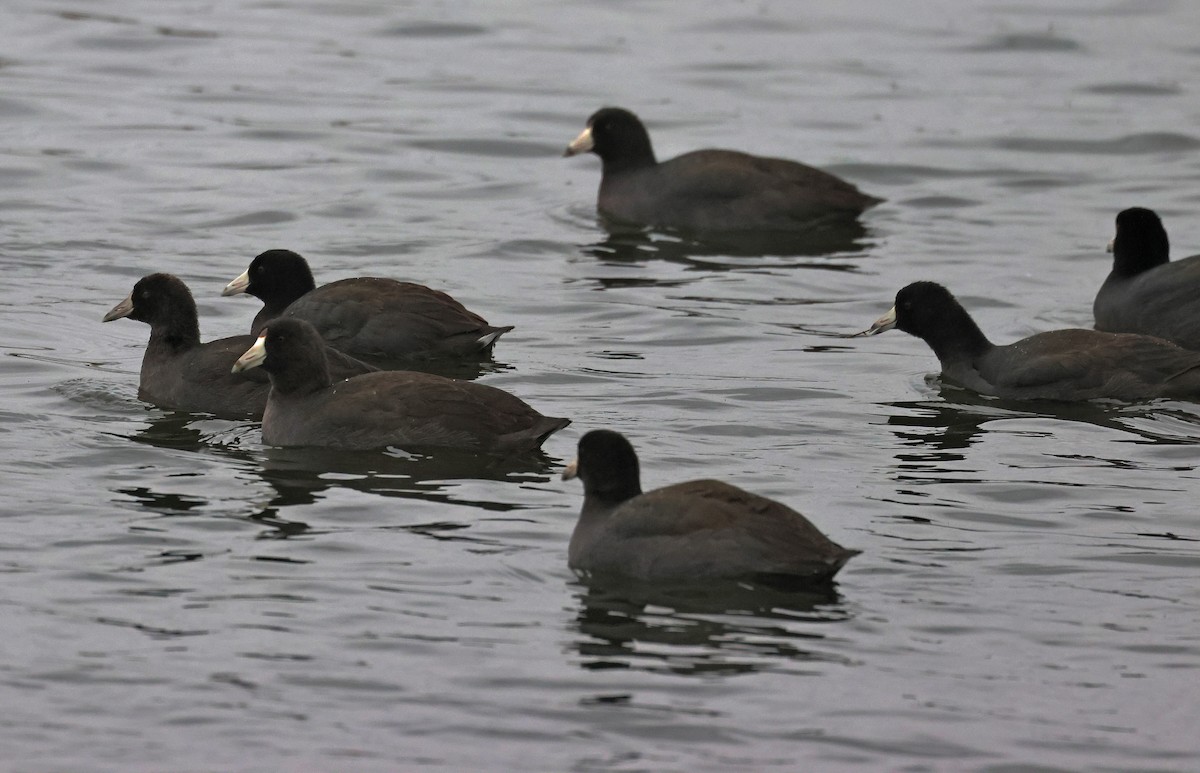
[(299, 476), (716, 629), (935, 437), (625, 244), (957, 422), (182, 431)]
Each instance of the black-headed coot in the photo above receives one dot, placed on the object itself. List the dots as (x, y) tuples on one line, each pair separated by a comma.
[(371, 317), (1145, 292), (708, 190), (1073, 364), (400, 408), (180, 373), (689, 532)]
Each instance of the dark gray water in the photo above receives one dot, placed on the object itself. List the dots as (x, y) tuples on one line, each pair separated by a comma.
[(179, 597)]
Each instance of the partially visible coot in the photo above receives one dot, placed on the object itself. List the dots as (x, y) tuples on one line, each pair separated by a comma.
[(388, 408), (708, 190), (1072, 364), (690, 532), (383, 320), (1145, 292), (180, 373)]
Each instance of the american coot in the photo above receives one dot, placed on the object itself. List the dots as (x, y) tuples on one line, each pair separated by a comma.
[(1057, 365), (180, 373), (1144, 292), (694, 531), (708, 190), (371, 317), (400, 408)]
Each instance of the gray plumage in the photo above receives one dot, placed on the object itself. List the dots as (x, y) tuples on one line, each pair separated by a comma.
[(376, 318), (708, 190), (1073, 364), (694, 531), (181, 373), (1146, 292), (386, 408)]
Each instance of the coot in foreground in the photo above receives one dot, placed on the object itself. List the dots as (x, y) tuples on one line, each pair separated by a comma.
[(689, 532)]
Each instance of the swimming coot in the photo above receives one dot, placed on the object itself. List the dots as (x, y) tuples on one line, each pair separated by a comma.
[(180, 373), (400, 408), (1145, 292), (1073, 364), (371, 317), (708, 190), (695, 531)]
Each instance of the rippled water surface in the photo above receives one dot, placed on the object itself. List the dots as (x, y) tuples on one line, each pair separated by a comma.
[(177, 596)]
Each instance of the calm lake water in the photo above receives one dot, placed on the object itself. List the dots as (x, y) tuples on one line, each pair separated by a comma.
[(179, 597)]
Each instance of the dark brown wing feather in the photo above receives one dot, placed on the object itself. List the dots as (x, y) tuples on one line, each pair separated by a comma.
[(407, 408), (1081, 364), (387, 319), (711, 528)]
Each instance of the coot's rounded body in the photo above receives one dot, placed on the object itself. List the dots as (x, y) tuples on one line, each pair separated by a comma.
[(707, 191), (1146, 292), (376, 318), (1073, 364), (689, 532), (388, 408), (181, 373)]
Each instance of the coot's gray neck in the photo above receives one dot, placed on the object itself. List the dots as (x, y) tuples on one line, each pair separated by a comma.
[(638, 154), (301, 381), (1128, 263), (177, 334), (958, 340)]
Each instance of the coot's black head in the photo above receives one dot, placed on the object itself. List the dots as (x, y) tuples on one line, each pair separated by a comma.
[(277, 277), (928, 311), (292, 351), (157, 300), (607, 465), (618, 137), (1141, 242), (925, 307)]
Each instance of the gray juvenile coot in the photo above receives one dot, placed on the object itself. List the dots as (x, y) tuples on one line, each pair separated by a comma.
[(400, 408), (372, 317), (694, 531), (1073, 364), (708, 190), (180, 373), (1145, 292)]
